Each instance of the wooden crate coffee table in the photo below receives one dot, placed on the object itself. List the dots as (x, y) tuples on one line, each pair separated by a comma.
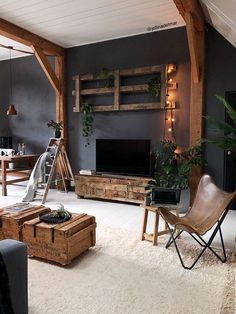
[(62, 242), (11, 223)]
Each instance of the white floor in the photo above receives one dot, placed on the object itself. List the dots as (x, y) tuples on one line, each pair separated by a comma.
[(113, 214)]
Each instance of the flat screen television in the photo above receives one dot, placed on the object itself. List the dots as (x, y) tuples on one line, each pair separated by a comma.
[(123, 157)]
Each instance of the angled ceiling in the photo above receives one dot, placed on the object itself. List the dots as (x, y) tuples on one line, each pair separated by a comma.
[(77, 22), (221, 14)]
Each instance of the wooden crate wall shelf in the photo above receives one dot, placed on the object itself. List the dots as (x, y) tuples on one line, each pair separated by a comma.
[(119, 89)]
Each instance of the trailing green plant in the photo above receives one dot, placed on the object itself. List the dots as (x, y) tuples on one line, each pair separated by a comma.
[(106, 76), (171, 169), (56, 126), (87, 121), (154, 86), (226, 137)]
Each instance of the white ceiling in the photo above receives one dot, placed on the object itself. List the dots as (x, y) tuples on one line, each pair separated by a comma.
[(77, 22), (222, 15)]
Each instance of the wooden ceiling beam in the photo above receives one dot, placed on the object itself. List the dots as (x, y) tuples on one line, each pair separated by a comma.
[(46, 66), (27, 38), (193, 7)]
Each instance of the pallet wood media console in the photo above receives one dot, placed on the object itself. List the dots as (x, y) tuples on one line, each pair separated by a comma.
[(118, 188)]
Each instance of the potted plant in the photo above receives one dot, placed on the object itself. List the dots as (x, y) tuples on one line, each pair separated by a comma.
[(57, 127), (171, 171), (87, 121), (154, 86), (106, 76), (226, 138)]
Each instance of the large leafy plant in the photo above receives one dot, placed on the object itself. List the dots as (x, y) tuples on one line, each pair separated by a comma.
[(171, 169), (226, 137)]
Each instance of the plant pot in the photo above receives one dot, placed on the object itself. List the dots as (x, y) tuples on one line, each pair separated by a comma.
[(57, 134), (160, 195)]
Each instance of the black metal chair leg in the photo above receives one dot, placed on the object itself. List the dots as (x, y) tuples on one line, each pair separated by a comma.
[(170, 241), (206, 245)]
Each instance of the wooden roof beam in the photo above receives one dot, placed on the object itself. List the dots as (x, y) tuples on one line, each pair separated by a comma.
[(193, 7), (27, 38), (46, 66)]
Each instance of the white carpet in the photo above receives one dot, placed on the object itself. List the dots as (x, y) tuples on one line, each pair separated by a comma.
[(123, 275)]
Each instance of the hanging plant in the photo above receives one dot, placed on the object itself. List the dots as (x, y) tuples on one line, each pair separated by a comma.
[(87, 121), (154, 86), (106, 77)]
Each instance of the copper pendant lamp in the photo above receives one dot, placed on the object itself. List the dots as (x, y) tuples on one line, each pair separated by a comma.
[(11, 109)]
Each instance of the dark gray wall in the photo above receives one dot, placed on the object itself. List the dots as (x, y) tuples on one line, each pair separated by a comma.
[(34, 100), (4, 97), (220, 78), (163, 47)]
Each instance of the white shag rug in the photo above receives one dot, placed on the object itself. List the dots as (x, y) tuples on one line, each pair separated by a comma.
[(123, 275)]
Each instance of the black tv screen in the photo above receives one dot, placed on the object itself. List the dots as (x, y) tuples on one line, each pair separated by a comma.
[(123, 157)]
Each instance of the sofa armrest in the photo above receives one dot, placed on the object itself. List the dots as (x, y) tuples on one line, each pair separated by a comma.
[(14, 254)]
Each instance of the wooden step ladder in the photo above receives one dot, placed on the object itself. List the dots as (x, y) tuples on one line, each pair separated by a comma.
[(59, 165)]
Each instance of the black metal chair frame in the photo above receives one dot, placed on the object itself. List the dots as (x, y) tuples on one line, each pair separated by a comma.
[(204, 244)]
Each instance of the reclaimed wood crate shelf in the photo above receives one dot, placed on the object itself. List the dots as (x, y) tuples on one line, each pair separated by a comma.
[(120, 89)]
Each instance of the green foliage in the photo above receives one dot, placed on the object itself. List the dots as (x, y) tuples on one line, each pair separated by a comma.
[(154, 86), (226, 138), (106, 76), (57, 126), (87, 121), (171, 169), (60, 212)]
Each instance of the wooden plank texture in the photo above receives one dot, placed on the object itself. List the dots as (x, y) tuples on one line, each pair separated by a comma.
[(192, 13), (27, 38), (130, 189), (63, 242), (97, 91), (12, 222)]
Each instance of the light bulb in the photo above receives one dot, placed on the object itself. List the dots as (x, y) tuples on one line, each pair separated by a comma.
[(169, 129), (170, 80), (172, 119)]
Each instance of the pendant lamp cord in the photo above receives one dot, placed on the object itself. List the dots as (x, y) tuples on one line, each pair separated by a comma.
[(10, 66)]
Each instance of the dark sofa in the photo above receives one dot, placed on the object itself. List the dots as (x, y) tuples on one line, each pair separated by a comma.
[(13, 280)]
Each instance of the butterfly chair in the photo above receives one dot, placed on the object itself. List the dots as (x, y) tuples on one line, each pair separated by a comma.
[(209, 209)]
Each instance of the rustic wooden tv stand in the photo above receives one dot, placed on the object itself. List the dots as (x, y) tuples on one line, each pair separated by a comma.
[(111, 187)]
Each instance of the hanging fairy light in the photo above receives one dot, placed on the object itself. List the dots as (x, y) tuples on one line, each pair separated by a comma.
[(170, 104)]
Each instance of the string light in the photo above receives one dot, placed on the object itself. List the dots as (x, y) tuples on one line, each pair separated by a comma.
[(169, 103)]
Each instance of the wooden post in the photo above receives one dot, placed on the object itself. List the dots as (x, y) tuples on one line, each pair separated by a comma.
[(192, 13), (60, 97)]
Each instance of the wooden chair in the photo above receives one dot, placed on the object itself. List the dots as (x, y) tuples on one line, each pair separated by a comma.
[(209, 209)]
